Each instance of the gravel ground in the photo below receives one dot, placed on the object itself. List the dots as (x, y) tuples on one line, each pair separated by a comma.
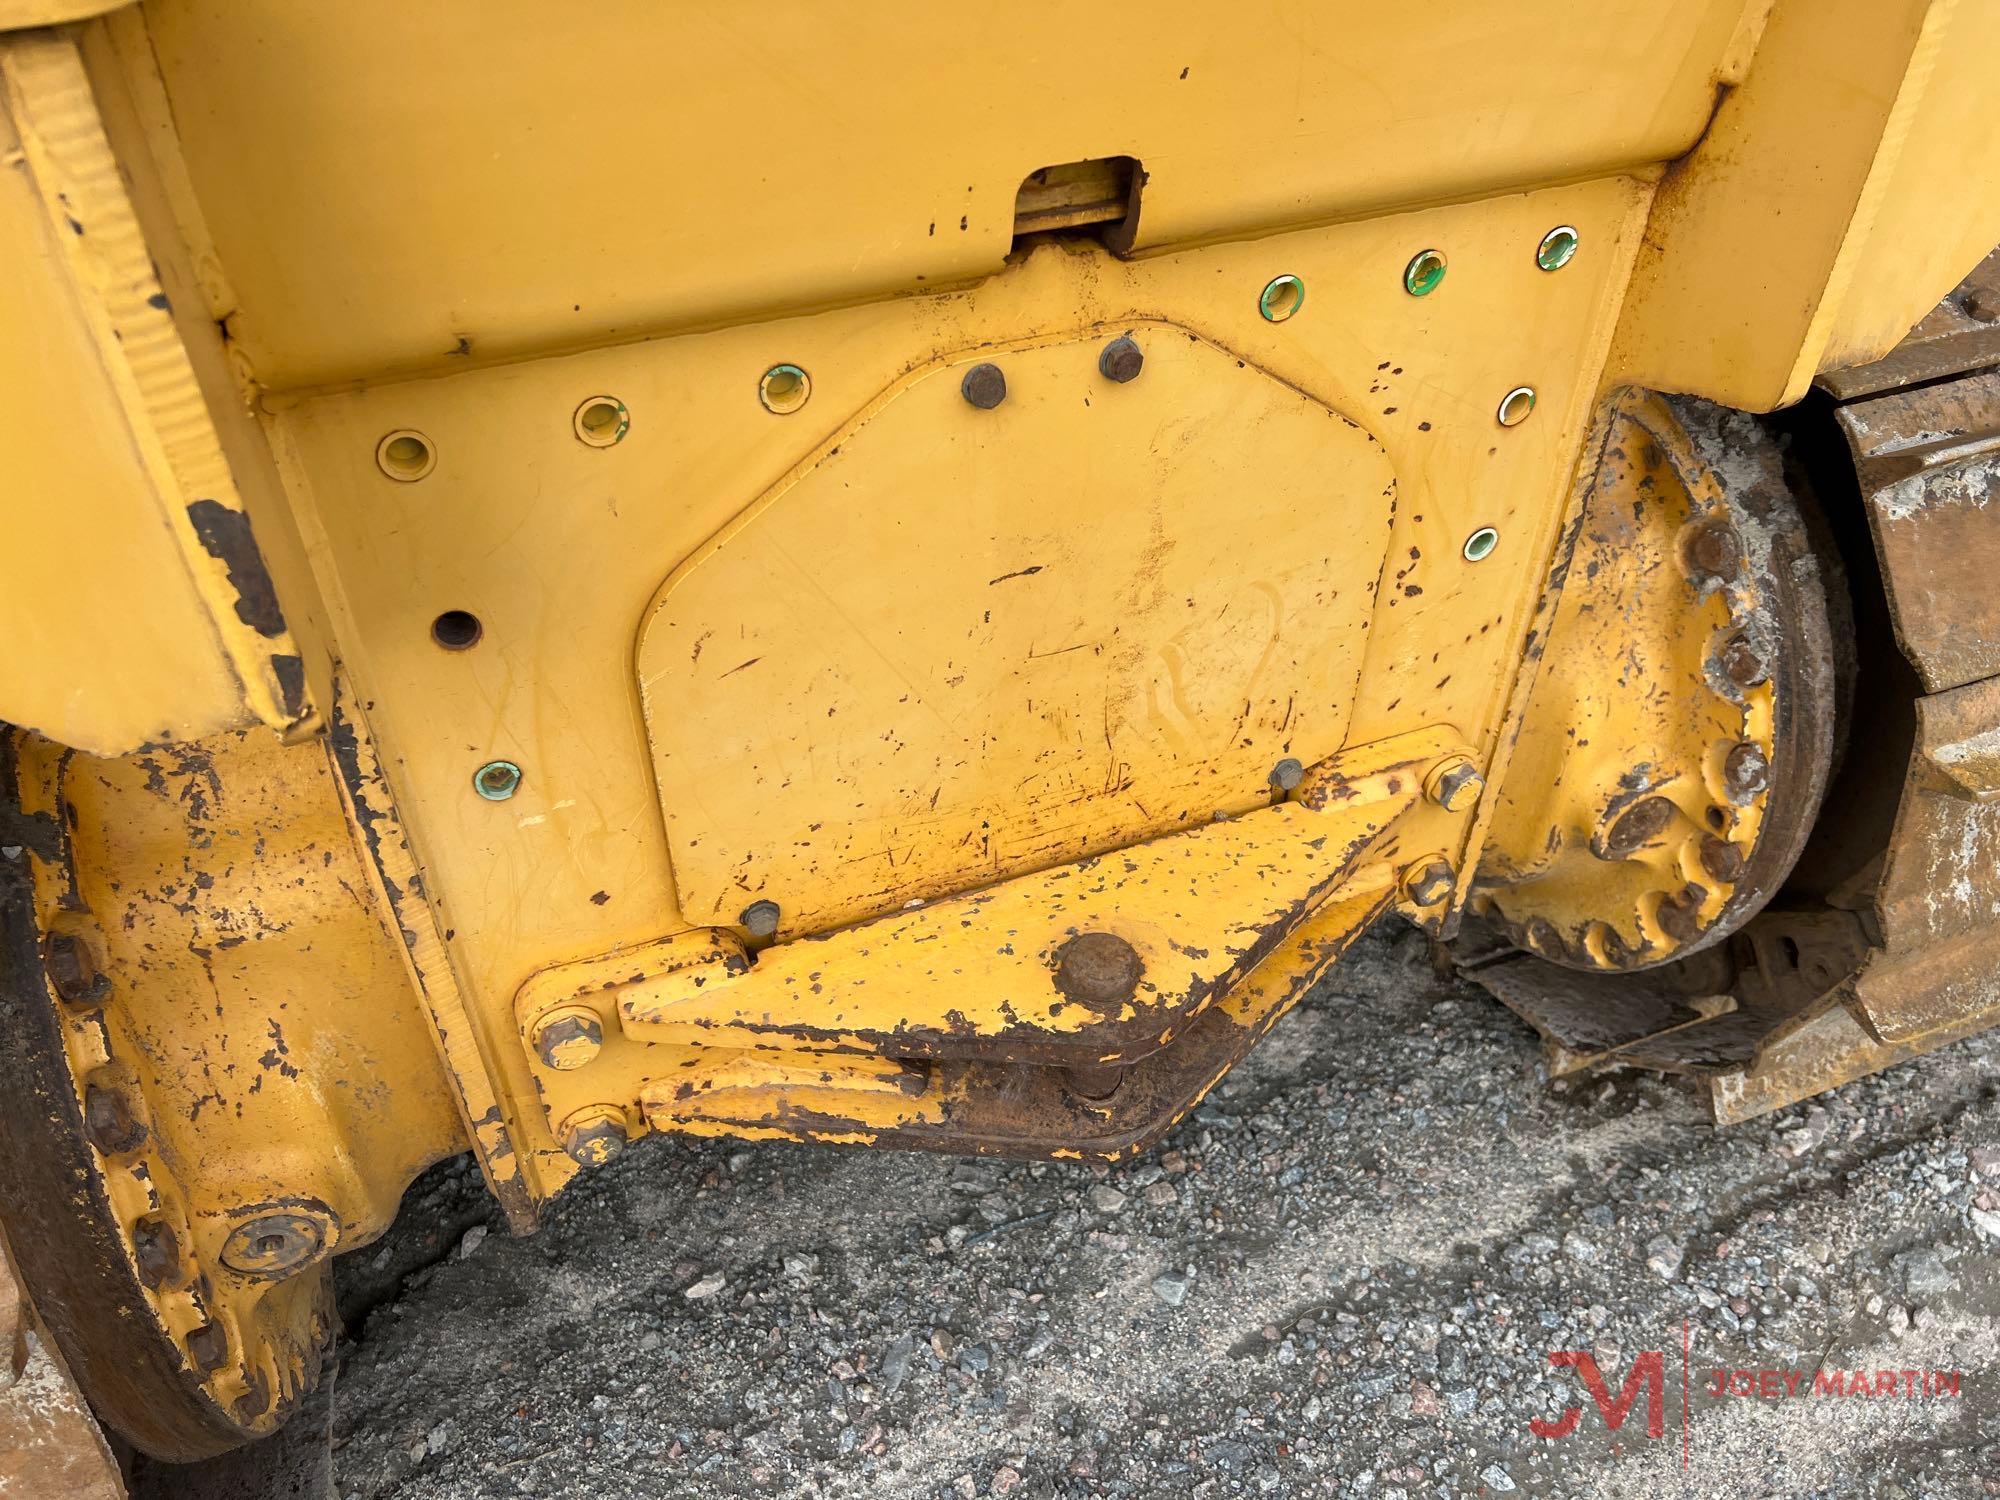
[(1343, 1274)]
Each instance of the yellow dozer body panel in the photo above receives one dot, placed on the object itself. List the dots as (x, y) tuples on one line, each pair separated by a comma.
[(915, 579)]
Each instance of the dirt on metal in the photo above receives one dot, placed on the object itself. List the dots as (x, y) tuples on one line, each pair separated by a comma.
[(1345, 1273)]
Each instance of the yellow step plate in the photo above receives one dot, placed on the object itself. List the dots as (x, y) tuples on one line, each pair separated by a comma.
[(1101, 961)]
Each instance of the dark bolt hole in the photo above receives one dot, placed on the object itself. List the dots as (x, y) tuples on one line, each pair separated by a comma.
[(457, 629), (270, 1244)]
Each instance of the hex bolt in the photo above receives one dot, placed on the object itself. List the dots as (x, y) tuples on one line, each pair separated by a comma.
[(1098, 970), (595, 1135), (1741, 662), (1983, 305), (72, 973), (276, 1244), (1637, 827), (1455, 784), (1429, 883), (109, 1120), (1723, 860), (760, 918), (985, 386), (156, 1252), (1120, 361), (1712, 551), (1746, 771), (1287, 774), (1679, 915), (1617, 952), (568, 1038), (208, 1348)]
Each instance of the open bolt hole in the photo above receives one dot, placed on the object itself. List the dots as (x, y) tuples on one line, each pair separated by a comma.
[(405, 455), (1282, 297), (1515, 406), (1425, 273), (602, 421), (1557, 248), (457, 630), (497, 780), (784, 389)]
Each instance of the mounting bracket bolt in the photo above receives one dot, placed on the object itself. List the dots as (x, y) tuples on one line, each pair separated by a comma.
[(1454, 784)]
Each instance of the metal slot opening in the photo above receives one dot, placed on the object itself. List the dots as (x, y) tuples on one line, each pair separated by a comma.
[(1099, 198)]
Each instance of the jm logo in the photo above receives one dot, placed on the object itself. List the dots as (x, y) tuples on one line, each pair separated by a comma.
[(1648, 1373)]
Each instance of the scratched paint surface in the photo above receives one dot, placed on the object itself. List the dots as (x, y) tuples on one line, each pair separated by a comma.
[(1629, 709), (560, 548), (918, 667), (975, 975)]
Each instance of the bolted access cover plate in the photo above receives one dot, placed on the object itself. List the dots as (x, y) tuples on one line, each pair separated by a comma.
[(957, 644)]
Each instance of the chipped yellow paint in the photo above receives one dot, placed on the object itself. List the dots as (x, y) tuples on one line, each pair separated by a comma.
[(973, 975), (797, 1091), (215, 891), (1242, 129), (1044, 689), (1630, 707), (806, 1095), (577, 862), (477, 1060), (1301, 492), (141, 606)]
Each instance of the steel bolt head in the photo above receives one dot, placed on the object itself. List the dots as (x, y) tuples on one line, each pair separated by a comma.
[(255, 1400), (1455, 785), (760, 918), (1121, 360), (568, 1039), (1639, 825), (208, 1348), (984, 386), (72, 975), (1679, 915), (109, 1120), (156, 1252), (1542, 938), (1287, 774), (1746, 772), (595, 1136), (1741, 662), (1723, 860), (1430, 882), (1098, 970), (1712, 551)]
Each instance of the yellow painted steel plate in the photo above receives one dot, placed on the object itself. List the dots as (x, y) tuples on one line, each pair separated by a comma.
[(910, 669)]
